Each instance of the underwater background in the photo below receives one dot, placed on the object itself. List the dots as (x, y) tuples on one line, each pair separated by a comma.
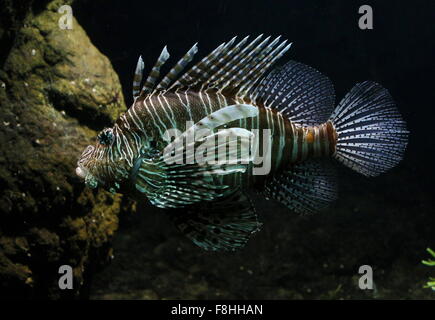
[(60, 87)]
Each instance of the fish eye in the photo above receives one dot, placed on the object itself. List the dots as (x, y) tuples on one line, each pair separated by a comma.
[(105, 137)]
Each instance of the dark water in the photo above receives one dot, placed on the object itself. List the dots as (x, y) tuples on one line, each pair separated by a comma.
[(386, 222)]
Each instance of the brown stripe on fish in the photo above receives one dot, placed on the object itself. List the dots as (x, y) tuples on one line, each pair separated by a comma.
[(289, 142), (299, 143), (320, 140), (276, 132), (262, 124), (317, 143), (136, 82), (137, 79), (281, 137), (309, 141), (332, 137)]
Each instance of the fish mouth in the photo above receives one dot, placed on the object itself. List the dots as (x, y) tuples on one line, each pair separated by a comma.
[(90, 180), (81, 173), (81, 170)]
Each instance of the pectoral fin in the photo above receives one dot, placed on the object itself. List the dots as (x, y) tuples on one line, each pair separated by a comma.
[(180, 175), (221, 225)]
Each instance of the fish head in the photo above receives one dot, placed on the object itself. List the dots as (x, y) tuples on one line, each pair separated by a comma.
[(98, 165)]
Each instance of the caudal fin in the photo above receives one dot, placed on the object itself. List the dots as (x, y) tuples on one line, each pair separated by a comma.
[(372, 135)]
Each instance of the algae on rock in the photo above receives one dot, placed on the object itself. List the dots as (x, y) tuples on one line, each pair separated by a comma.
[(56, 90)]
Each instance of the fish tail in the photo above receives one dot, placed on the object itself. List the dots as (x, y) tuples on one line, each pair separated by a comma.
[(371, 134)]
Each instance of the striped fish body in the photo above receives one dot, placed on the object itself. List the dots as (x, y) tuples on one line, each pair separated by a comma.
[(291, 143), (233, 92)]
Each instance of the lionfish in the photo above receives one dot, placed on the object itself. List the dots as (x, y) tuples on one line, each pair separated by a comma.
[(231, 92)]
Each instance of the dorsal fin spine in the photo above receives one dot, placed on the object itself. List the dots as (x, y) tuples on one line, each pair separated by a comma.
[(138, 74), (235, 67), (227, 58), (196, 69), (238, 62), (248, 64), (213, 62), (271, 57), (260, 69), (179, 67), (155, 72), (244, 53)]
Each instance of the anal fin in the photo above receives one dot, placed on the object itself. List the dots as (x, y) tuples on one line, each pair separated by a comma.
[(221, 225), (305, 188)]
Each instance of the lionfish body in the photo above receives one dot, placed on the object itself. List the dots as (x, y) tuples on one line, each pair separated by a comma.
[(231, 93)]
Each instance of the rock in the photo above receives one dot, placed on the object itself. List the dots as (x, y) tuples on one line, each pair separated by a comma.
[(56, 90)]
